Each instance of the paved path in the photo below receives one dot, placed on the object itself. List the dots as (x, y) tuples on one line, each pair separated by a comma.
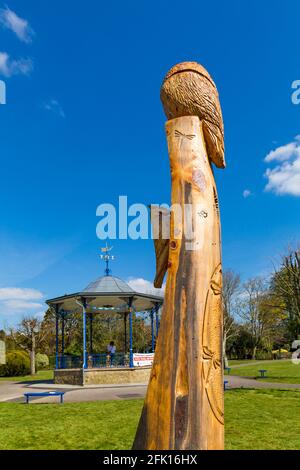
[(14, 391), (235, 381)]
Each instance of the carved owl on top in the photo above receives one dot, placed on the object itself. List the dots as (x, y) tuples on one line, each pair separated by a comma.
[(188, 90)]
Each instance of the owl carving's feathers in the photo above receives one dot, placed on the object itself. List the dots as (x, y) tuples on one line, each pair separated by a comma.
[(188, 90)]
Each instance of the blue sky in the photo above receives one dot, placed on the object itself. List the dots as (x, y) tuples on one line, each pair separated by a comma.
[(83, 124)]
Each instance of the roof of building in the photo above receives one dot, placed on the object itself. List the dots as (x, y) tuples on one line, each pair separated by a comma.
[(109, 293), (110, 284)]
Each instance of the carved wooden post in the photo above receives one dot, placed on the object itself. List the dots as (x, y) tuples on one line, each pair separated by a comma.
[(184, 404)]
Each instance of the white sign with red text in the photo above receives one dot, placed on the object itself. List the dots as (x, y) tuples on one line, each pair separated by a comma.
[(140, 359)]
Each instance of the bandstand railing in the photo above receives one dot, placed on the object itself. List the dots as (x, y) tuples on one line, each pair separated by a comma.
[(93, 361), (69, 362)]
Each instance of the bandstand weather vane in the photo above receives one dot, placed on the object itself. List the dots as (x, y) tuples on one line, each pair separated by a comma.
[(107, 257)]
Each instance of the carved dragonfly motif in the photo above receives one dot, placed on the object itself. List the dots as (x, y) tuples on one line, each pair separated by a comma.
[(186, 136), (215, 362)]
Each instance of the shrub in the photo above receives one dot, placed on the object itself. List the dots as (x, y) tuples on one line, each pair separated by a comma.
[(17, 363), (21, 352), (41, 361), (264, 355)]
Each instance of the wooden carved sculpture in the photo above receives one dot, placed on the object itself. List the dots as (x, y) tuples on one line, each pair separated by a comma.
[(184, 408)]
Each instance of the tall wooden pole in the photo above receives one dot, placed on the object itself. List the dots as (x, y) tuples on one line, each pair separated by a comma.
[(184, 403)]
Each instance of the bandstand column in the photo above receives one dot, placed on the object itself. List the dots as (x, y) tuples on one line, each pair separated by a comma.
[(63, 333), (125, 333), (130, 334), (84, 364), (56, 338), (91, 333)]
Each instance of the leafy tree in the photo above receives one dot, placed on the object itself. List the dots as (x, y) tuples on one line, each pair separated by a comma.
[(240, 346)]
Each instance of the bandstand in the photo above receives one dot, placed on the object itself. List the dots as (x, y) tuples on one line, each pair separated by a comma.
[(107, 294)]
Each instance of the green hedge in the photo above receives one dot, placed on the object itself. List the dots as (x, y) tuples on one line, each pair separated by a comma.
[(17, 363)]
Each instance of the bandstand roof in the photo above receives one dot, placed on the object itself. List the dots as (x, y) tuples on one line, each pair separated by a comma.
[(108, 284), (107, 293)]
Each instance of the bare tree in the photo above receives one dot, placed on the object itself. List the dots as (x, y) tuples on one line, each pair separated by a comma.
[(231, 285), (259, 313), (29, 336), (286, 285)]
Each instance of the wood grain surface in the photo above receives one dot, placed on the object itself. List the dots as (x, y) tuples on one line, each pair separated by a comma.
[(184, 407)]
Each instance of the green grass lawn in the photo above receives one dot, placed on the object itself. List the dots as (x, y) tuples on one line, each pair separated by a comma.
[(262, 419), (255, 419), (277, 371), (41, 375), (234, 362)]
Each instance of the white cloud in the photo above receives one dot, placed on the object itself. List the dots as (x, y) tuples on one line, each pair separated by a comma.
[(22, 29), (15, 300), (16, 305), (54, 107), (283, 153), (8, 293), (285, 177), (145, 287), (9, 67), (247, 193)]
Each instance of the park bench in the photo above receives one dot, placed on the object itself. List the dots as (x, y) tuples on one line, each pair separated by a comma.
[(27, 395), (262, 372), (225, 384)]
